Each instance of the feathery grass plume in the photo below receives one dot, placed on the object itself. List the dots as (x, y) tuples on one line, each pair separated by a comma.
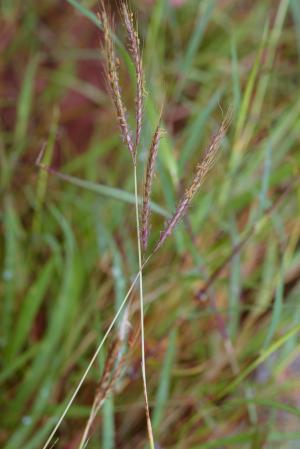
[(201, 171), (111, 373), (150, 170), (113, 81), (134, 49)]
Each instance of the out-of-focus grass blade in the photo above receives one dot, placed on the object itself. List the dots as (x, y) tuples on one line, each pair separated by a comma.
[(18, 363), (294, 5), (107, 242), (291, 256), (285, 437), (30, 419), (11, 269), (154, 43), (118, 276), (62, 312), (110, 192), (286, 123), (72, 281), (234, 286), (269, 403), (283, 135), (165, 379), (264, 202), (205, 12), (107, 410), (265, 77), (242, 113), (84, 88), (108, 427), (23, 111), (236, 86), (4, 163), (8, 10), (40, 435), (264, 355), (245, 128), (24, 105), (277, 308), (96, 150), (43, 175), (245, 105), (228, 441), (29, 309), (86, 12), (195, 129), (267, 284)]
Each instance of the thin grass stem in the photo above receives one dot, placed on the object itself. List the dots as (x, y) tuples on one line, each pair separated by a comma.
[(149, 425)]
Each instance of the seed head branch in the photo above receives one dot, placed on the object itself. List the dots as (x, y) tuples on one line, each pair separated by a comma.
[(113, 81), (150, 170), (134, 49), (201, 171)]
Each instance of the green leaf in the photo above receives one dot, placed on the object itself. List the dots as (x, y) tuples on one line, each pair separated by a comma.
[(165, 379), (29, 309), (110, 192)]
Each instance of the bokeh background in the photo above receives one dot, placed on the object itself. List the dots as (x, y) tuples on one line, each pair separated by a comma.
[(222, 366)]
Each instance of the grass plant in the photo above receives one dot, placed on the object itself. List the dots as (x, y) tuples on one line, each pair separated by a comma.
[(103, 315)]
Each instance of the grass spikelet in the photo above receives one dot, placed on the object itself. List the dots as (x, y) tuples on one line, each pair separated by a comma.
[(150, 170), (134, 48), (201, 171), (111, 373), (113, 81)]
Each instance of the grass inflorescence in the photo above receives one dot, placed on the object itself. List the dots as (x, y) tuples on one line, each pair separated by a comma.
[(152, 290)]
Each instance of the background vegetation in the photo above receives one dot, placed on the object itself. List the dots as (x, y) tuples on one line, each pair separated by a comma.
[(223, 365)]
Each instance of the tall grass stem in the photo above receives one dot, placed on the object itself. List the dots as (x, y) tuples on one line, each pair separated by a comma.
[(149, 425)]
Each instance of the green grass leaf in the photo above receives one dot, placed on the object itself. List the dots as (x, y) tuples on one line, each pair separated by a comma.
[(29, 308), (165, 380), (109, 192)]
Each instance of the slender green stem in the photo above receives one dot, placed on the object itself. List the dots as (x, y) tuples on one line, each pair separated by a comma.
[(149, 426)]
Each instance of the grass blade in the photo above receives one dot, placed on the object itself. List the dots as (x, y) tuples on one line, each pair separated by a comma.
[(109, 192), (266, 353), (29, 308), (165, 380), (43, 175), (11, 268), (24, 108)]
